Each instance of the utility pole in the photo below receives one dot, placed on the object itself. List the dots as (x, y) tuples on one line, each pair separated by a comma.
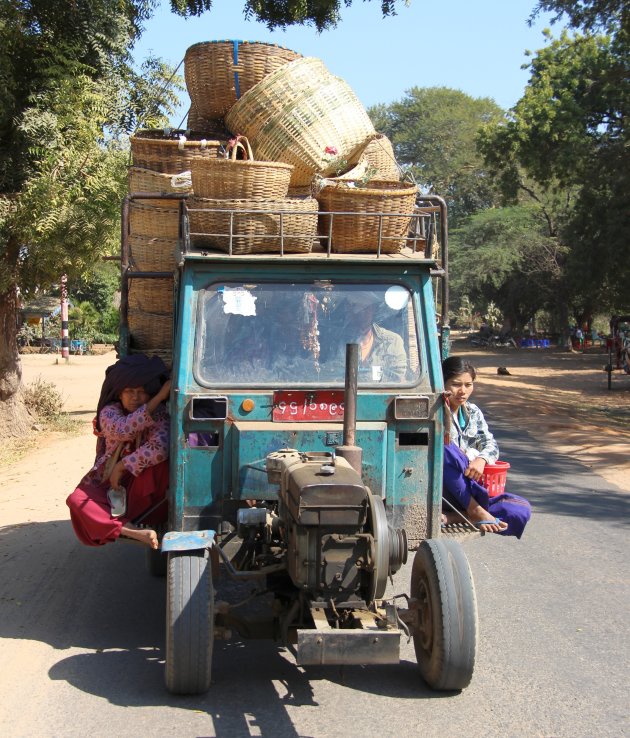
[(65, 345)]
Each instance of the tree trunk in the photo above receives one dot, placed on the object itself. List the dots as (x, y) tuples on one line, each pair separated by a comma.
[(14, 417)]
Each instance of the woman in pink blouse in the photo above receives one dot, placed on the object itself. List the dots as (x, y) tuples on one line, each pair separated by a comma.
[(132, 426)]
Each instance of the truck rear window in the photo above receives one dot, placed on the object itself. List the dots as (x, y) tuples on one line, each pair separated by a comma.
[(271, 334)]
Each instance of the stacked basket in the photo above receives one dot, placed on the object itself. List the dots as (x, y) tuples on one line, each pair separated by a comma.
[(295, 112), (241, 206), (309, 132), (158, 160)]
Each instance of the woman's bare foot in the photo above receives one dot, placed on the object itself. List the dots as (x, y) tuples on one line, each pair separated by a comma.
[(476, 514), (490, 524), (144, 535)]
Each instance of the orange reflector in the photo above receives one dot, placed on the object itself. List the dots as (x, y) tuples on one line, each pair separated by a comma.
[(247, 406)]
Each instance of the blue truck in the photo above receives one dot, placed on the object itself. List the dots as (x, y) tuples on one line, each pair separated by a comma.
[(306, 455)]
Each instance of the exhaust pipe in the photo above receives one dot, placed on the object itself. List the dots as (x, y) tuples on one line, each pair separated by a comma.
[(352, 453)]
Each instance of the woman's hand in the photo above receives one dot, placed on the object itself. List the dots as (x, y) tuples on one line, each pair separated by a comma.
[(117, 473), (475, 469)]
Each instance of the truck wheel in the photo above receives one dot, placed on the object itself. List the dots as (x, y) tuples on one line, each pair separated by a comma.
[(189, 622), (156, 563), (445, 638)]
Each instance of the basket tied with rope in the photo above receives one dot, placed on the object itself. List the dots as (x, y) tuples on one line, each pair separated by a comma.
[(170, 151), (218, 73), (147, 180)]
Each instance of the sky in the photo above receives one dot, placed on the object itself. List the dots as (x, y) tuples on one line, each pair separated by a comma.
[(477, 47)]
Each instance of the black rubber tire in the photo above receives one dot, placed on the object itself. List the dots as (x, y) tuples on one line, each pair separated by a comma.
[(446, 637), (156, 563), (189, 622)]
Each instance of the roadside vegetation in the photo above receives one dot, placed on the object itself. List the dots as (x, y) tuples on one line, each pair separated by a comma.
[(538, 195)]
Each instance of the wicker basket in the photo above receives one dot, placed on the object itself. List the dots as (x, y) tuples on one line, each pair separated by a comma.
[(379, 157), (151, 295), (166, 354), (156, 222), (295, 114), (151, 333), (152, 254), (232, 179), (359, 232), (254, 231), (217, 73), (170, 152), (146, 180)]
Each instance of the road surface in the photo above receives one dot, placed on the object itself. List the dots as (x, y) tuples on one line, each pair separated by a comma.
[(83, 640)]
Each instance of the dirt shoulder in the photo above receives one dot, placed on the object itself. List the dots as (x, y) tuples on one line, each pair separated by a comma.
[(558, 396), (562, 398)]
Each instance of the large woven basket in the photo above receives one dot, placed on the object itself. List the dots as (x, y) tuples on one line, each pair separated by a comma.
[(217, 73), (150, 220), (151, 295), (150, 333), (170, 152), (359, 231), (302, 115), (146, 180), (148, 254), (254, 231), (237, 179), (380, 159), (166, 354)]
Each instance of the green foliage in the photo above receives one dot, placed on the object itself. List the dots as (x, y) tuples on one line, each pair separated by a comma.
[(28, 334), (108, 323), (506, 257), (98, 286), (322, 14), (565, 146), (434, 133), (493, 316), (587, 14), (83, 321), (466, 314), (69, 97)]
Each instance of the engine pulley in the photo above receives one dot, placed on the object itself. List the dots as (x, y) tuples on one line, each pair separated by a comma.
[(388, 550)]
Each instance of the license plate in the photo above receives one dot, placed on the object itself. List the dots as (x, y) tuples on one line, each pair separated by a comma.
[(296, 407)]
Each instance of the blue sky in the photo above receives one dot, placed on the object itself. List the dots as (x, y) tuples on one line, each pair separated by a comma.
[(477, 47)]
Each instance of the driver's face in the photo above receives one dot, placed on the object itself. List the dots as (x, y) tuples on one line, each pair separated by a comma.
[(360, 321)]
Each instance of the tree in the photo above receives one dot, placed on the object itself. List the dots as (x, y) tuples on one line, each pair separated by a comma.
[(281, 13), (590, 15), (68, 93), (433, 131), (565, 144), (507, 256), (98, 286)]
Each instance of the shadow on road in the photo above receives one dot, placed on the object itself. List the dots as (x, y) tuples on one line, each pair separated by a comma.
[(102, 600), (556, 483)]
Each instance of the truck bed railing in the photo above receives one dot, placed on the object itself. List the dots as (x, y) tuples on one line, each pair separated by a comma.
[(427, 228)]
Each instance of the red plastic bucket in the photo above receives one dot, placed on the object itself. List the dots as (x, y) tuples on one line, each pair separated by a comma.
[(494, 477)]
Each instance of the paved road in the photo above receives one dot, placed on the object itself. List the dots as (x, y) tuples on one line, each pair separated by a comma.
[(83, 639)]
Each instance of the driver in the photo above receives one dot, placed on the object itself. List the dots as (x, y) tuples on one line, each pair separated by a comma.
[(382, 355)]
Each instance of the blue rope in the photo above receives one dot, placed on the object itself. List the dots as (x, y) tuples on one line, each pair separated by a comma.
[(236, 83)]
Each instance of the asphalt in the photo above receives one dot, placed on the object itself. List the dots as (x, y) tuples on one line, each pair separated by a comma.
[(83, 636)]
